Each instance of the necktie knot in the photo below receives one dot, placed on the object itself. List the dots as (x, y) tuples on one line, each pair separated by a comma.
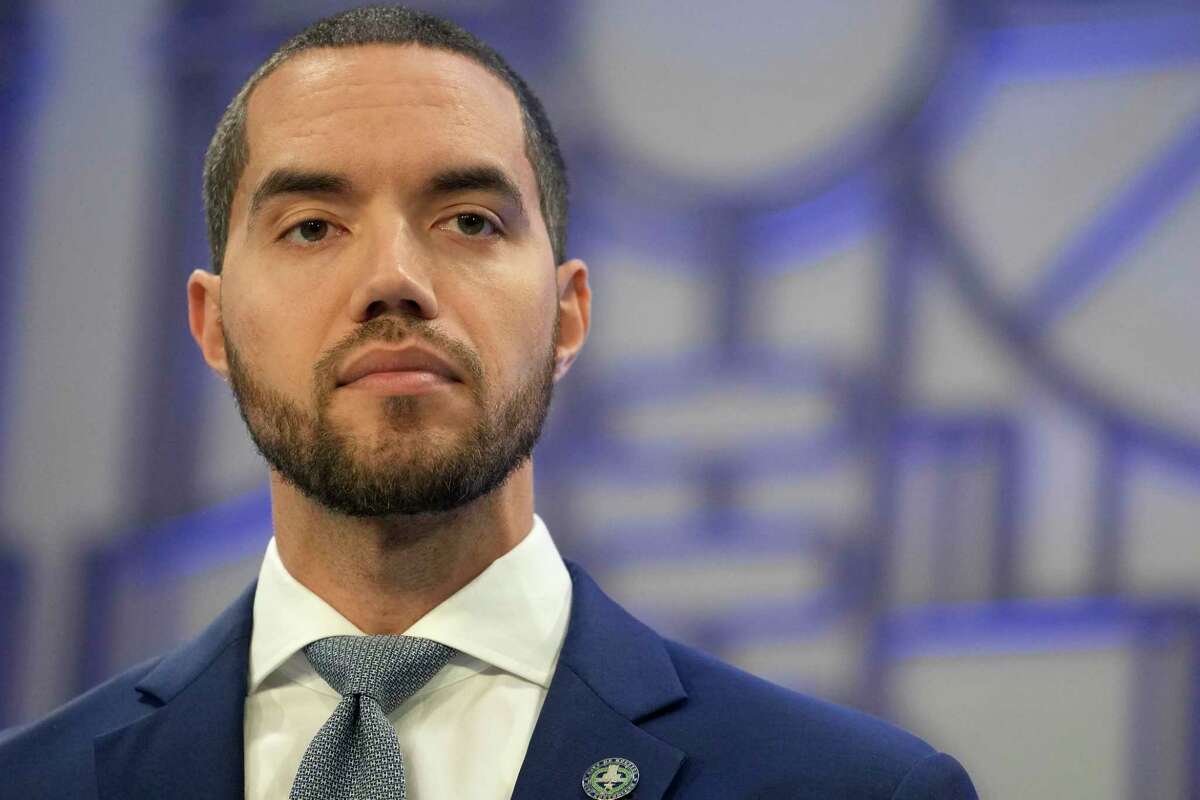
[(356, 754), (388, 669)]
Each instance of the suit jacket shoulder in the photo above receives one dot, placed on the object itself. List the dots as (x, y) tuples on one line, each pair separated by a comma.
[(169, 727), (61, 743), (742, 731)]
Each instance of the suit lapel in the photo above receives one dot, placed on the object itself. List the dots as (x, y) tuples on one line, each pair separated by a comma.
[(190, 745), (613, 671)]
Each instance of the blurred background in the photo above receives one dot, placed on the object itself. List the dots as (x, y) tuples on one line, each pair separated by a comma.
[(893, 391)]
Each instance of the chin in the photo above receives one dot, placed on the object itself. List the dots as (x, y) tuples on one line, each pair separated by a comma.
[(405, 446)]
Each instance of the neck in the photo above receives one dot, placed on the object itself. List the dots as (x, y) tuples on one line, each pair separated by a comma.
[(384, 574)]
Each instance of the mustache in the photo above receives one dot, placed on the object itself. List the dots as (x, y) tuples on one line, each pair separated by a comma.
[(397, 330)]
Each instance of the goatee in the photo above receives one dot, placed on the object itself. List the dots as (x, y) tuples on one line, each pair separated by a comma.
[(347, 475)]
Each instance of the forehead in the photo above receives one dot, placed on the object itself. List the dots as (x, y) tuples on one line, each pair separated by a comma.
[(394, 110)]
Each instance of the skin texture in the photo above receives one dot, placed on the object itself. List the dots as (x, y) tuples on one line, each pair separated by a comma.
[(392, 264)]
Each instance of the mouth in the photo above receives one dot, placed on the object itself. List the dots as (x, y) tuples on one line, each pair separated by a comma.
[(401, 382), (409, 370)]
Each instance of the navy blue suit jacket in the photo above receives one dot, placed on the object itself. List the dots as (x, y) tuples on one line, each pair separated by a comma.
[(696, 728)]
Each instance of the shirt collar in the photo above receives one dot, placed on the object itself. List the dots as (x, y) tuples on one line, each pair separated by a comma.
[(513, 615)]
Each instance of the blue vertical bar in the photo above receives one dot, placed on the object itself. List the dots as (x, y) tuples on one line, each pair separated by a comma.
[(20, 75), (13, 599), (1110, 513), (1193, 744), (724, 229), (884, 419), (949, 527), (1006, 546)]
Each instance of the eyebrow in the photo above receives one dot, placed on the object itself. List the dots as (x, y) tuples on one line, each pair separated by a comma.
[(292, 181), (479, 178)]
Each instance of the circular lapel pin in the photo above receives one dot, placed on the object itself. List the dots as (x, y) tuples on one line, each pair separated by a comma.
[(610, 779)]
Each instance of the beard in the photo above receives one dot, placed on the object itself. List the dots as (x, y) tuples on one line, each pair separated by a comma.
[(380, 476)]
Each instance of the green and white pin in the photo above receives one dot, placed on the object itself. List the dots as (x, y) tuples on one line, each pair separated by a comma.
[(610, 779)]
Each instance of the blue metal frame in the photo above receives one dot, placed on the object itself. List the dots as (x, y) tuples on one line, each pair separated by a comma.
[(877, 180)]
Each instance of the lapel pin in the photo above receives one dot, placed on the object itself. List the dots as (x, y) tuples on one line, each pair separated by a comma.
[(610, 779)]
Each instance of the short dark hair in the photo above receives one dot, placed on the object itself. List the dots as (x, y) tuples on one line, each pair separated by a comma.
[(229, 151)]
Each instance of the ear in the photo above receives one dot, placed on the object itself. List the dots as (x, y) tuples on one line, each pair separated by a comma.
[(575, 313), (204, 318)]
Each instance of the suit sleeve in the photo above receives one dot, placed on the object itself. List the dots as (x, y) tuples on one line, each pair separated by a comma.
[(937, 777)]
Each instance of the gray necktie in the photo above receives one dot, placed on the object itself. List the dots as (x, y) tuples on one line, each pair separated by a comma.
[(355, 754)]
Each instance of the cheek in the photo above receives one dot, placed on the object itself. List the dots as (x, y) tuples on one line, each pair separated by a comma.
[(509, 317), (273, 342), (531, 333), (511, 342)]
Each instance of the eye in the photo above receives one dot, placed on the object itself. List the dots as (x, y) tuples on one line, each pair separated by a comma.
[(309, 231), (473, 225)]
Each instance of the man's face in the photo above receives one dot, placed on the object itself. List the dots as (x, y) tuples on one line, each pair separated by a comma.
[(387, 222)]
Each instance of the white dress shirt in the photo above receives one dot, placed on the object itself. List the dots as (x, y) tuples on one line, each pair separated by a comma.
[(465, 733)]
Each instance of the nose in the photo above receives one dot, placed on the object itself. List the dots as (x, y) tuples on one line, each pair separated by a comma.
[(397, 282)]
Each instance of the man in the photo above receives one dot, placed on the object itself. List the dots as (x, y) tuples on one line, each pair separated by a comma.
[(391, 303)]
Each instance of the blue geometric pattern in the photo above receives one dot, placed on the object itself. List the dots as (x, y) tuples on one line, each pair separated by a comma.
[(943, 456)]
